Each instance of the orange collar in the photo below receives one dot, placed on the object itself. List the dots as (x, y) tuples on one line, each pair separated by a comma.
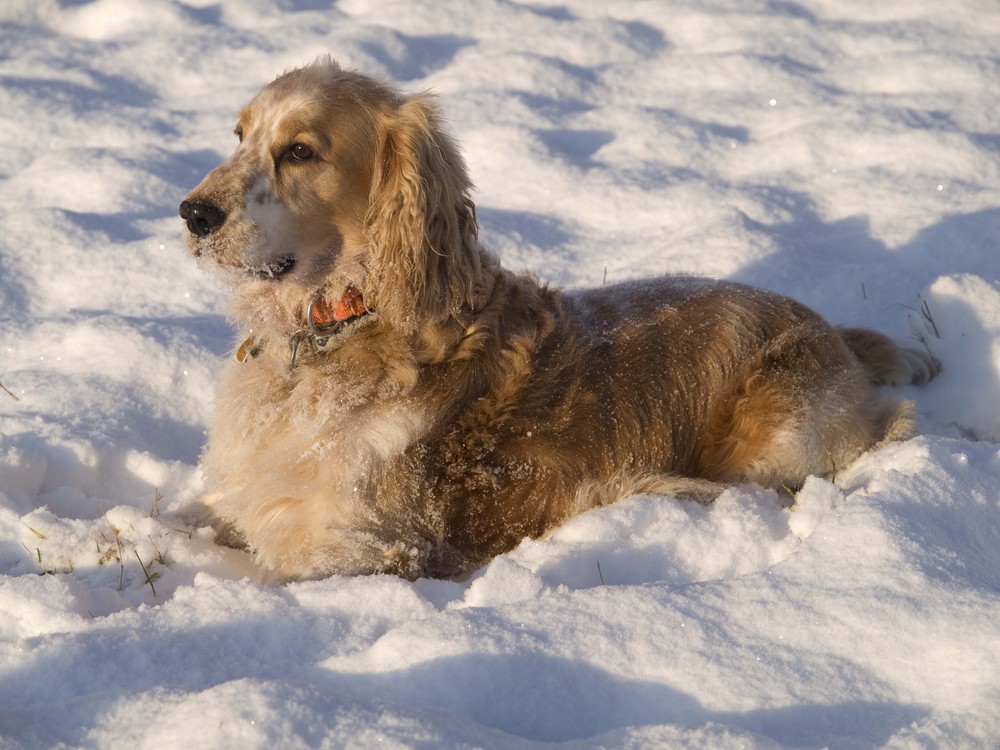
[(321, 323), (322, 319)]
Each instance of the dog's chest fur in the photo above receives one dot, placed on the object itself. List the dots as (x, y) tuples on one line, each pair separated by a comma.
[(295, 452)]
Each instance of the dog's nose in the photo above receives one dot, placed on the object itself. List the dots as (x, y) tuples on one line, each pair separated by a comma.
[(202, 218)]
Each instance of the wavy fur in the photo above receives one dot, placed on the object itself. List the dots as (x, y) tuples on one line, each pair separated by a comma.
[(421, 226)]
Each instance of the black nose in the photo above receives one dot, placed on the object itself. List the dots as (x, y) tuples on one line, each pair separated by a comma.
[(202, 218)]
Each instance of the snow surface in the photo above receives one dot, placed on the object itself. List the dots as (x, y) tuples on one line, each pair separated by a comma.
[(845, 152)]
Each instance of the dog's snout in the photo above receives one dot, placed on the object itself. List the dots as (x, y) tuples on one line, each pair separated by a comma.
[(202, 218)]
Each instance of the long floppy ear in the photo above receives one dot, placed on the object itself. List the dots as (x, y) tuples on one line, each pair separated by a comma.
[(421, 225)]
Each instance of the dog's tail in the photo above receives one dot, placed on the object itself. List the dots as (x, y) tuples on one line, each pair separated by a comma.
[(889, 363)]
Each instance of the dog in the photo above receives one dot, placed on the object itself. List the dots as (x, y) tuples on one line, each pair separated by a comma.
[(400, 403)]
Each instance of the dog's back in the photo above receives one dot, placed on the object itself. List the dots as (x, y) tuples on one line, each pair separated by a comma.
[(671, 385)]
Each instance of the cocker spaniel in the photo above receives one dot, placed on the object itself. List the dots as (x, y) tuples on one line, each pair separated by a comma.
[(400, 403)]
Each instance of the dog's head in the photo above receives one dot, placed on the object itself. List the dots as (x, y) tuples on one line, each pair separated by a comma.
[(341, 180)]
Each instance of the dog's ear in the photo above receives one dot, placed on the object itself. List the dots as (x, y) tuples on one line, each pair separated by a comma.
[(421, 225)]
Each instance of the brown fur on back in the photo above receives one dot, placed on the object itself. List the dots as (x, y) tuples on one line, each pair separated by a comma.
[(475, 407)]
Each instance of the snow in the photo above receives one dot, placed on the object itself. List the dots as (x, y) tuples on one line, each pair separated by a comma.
[(846, 153)]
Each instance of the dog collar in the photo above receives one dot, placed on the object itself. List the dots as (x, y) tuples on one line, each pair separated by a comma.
[(322, 319), (322, 324)]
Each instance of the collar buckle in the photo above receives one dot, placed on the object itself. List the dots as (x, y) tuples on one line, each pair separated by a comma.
[(324, 322)]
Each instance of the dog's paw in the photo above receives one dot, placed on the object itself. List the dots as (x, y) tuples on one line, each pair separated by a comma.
[(201, 514), (919, 366)]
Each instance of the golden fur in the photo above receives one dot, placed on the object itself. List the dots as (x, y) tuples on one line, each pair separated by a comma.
[(476, 407)]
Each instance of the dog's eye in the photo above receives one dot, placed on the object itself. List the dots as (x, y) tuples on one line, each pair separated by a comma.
[(239, 132), (300, 152)]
